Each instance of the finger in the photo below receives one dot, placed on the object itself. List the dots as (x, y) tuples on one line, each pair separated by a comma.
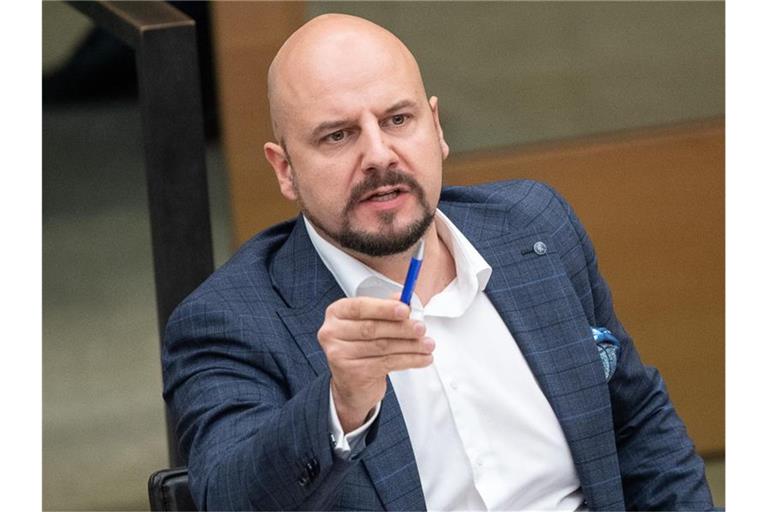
[(386, 347), (360, 308), (380, 366), (366, 330), (398, 362)]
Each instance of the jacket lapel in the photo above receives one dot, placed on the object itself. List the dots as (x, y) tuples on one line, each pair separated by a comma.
[(535, 297), (308, 288)]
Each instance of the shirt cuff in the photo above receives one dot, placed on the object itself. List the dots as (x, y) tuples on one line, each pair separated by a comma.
[(347, 445)]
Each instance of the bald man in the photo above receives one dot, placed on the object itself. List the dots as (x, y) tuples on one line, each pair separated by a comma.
[(299, 381)]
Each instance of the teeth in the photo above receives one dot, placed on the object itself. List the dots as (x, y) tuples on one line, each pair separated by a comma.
[(385, 197)]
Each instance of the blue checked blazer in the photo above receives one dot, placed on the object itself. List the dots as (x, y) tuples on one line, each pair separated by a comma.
[(247, 381)]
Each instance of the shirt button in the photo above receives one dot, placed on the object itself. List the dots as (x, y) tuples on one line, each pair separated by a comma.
[(540, 248), (454, 385)]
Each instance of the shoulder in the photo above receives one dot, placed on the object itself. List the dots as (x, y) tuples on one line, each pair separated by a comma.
[(525, 203), (509, 193), (245, 277)]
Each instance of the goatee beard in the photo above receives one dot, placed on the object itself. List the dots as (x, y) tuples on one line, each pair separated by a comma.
[(385, 241)]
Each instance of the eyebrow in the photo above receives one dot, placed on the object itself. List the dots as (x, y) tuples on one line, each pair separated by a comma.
[(400, 105), (331, 126)]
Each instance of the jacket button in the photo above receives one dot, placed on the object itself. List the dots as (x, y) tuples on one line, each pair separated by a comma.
[(540, 248)]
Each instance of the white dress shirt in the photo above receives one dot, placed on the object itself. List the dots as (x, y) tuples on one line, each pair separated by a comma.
[(483, 434)]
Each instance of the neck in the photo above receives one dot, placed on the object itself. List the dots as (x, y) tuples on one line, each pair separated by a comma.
[(437, 270)]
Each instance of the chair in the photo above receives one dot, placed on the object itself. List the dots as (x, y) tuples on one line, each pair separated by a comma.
[(169, 491)]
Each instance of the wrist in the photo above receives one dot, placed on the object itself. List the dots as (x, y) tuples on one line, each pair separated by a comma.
[(352, 413)]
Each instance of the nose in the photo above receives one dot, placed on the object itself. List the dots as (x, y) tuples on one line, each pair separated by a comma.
[(378, 153)]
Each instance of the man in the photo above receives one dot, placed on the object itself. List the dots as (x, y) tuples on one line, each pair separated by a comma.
[(299, 381)]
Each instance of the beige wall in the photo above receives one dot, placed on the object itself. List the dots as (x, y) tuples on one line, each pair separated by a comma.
[(63, 29)]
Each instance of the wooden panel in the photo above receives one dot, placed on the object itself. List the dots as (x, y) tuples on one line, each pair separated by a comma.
[(653, 202), (247, 36)]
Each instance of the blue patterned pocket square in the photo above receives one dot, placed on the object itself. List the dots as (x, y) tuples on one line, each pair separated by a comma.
[(609, 348)]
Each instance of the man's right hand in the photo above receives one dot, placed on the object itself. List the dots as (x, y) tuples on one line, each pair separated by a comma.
[(364, 339)]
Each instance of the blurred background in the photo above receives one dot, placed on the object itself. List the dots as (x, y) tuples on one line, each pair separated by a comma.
[(619, 105)]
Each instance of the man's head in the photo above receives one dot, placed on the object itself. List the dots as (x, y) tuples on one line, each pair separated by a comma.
[(359, 145)]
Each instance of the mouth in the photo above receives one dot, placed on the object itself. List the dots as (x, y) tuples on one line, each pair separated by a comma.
[(383, 194)]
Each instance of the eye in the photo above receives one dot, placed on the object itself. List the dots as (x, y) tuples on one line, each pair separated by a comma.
[(398, 119), (336, 136)]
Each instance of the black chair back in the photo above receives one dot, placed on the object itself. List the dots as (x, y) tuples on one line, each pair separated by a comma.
[(169, 491)]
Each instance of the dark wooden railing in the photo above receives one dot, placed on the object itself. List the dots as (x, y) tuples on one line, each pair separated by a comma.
[(164, 42)]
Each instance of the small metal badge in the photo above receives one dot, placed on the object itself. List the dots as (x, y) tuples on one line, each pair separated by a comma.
[(540, 248)]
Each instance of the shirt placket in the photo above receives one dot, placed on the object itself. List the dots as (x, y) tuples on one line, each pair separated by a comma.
[(458, 389)]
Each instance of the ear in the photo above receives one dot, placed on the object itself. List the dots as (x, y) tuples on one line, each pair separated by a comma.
[(278, 159), (439, 129)]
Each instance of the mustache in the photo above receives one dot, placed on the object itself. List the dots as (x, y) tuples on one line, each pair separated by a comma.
[(386, 178)]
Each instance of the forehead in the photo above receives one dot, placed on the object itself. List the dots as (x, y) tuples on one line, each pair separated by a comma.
[(342, 74)]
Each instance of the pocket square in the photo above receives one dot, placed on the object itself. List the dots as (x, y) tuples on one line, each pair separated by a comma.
[(609, 349)]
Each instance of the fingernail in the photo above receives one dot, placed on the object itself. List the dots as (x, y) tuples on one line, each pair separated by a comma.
[(419, 328), (402, 311), (430, 343)]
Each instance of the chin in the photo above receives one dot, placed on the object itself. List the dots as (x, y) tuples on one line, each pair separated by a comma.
[(388, 239)]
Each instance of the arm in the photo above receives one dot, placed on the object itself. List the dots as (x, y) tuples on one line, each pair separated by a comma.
[(660, 469), (250, 444), (255, 420)]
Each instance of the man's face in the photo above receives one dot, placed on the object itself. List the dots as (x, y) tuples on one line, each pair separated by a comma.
[(362, 148)]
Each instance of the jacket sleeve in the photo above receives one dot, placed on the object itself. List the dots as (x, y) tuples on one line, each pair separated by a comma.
[(251, 444), (660, 469)]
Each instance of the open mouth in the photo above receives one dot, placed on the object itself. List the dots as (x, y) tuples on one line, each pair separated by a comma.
[(384, 194)]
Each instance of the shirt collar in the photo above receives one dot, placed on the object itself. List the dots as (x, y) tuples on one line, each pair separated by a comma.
[(357, 279), (470, 265)]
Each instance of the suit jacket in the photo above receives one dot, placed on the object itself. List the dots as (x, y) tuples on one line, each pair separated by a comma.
[(248, 383)]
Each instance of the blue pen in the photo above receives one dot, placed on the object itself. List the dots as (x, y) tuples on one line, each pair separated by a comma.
[(413, 273)]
